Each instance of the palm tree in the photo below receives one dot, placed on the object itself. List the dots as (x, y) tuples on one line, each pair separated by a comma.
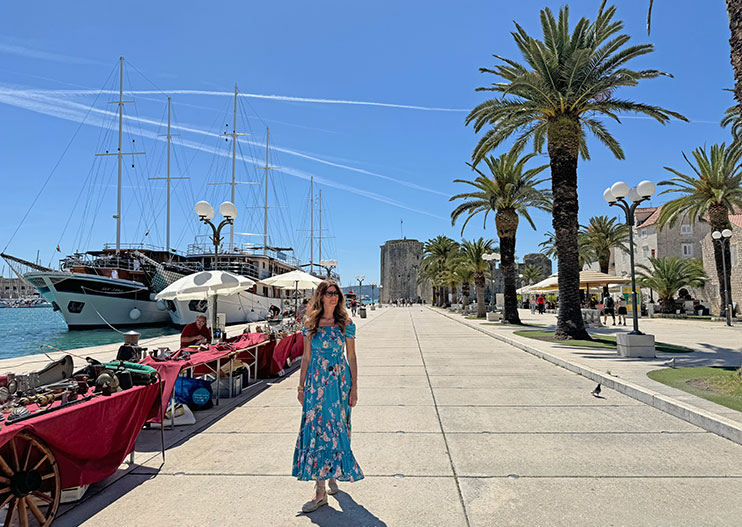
[(465, 276), (714, 190), (509, 193), (436, 253), (472, 252), (585, 253), (602, 234), (568, 78), (668, 275), (533, 274)]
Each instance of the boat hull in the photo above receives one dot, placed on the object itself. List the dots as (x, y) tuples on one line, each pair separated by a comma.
[(244, 307), (89, 301)]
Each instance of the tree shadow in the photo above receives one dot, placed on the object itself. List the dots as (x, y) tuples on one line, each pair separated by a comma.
[(350, 513)]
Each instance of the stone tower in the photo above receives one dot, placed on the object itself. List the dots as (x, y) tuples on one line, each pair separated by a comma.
[(400, 265)]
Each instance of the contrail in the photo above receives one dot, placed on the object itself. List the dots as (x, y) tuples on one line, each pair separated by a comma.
[(73, 112), (216, 93), (22, 51), (42, 95)]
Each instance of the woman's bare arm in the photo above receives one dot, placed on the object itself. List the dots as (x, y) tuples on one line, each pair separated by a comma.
[(305, 358), (350, 345)]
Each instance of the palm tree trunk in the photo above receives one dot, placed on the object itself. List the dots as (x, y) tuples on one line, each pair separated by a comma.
[(454, 296), (734, 11), (465, 293), (507, 253), (564, 137), (481, 308), (719, 220)]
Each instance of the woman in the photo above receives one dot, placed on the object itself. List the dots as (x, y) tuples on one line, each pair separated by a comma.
[(621, 310), (327, 391)]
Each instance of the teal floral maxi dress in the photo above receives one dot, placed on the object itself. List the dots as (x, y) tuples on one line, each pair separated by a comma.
[(323, 447)]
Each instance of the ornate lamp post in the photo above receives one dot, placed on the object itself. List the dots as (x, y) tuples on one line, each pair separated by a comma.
[(615, 196), (373, 285), (492, 258), (360, 285), (205, 213), (328, 265), (724, 239)]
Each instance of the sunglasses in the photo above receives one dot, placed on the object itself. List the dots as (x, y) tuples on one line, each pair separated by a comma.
[(332, 293)]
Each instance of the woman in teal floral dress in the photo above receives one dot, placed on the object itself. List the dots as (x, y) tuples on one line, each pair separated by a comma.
[(327, 391)]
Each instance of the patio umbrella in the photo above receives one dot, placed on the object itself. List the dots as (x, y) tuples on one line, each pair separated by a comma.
[(205, 285), (293, 280)]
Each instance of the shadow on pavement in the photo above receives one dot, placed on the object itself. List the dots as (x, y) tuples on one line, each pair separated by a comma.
[(351, 513)]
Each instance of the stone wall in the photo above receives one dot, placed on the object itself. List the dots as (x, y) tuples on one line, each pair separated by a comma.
[(400, 267), (712, 292)]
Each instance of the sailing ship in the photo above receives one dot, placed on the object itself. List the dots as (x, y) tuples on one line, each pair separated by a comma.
[(116, 286)]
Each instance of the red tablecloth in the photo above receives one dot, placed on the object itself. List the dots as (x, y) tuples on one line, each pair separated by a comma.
[(289, 347), (170, 369), (91, 439)]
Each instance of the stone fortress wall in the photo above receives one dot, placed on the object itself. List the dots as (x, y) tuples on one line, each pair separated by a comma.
[(400, 267)]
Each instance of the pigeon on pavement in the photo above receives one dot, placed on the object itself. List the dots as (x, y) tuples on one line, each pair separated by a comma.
[(596, 391), (670, 363)]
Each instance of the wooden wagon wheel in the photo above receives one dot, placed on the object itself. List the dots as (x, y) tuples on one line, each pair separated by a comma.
[(29, 482)]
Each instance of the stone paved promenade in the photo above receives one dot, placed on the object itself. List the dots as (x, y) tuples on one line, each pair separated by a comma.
[(452, 428)]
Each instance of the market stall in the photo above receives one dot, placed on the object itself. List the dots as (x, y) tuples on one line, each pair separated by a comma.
[(66, 444)]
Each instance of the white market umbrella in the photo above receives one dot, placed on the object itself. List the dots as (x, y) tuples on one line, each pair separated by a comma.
[(205, 285), (293, 280), (198, 286)]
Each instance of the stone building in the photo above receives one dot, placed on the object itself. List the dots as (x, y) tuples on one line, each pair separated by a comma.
[(400, 267), (712, 292), (682, 240), (15, 288)]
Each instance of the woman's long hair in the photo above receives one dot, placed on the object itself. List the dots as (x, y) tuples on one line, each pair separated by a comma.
[(315, 310)]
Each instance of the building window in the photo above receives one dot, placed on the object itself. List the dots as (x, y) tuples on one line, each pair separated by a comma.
[(653, 254), (686, 229), (643, 233), (687, 249), (645, 251)]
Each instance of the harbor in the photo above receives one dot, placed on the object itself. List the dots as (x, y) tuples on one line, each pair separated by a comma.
[(384, 265)]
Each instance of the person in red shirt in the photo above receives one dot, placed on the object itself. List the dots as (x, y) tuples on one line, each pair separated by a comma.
[(195, 333)]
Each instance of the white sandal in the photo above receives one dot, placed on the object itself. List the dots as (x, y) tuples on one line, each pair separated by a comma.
[(313, 505), (332, 487)]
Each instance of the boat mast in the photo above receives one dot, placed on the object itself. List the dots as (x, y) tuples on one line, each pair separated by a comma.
[(311, 224), (234, 135), (119, 153), (319, 257), (265, 208), (168, 178)]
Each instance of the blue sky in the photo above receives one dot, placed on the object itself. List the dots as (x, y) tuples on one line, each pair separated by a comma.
[(377, 165)]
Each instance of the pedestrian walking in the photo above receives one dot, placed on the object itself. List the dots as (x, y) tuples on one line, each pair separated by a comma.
[(327, 391), (608, 309), (541, 302), (622, 310), (353, 307), (533, 305)]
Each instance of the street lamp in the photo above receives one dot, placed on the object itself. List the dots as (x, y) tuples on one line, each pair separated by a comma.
[(373, 285), (328, 265), (724, 240), (615, 196), (492, 258), (360, 285), (205, 213)]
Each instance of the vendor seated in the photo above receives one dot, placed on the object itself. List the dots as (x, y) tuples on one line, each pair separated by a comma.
[(273, 311), (195, 333)]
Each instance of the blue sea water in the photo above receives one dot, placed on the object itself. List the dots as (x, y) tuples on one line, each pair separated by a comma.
[(24, 330)]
